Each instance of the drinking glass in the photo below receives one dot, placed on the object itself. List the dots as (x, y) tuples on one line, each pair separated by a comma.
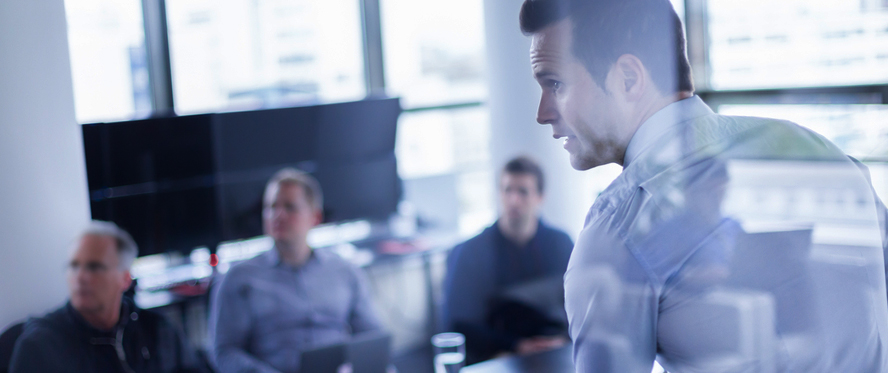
[(450, 352)]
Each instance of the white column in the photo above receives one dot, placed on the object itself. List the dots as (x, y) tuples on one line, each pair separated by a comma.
[(43, 193), (514, 96)]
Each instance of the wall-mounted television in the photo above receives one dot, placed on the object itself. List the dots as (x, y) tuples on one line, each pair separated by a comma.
[(182, 182)]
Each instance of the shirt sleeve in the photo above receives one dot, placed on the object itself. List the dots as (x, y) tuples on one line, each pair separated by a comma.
[(612, 315), (363, 316), (229, 328), (468, 286)]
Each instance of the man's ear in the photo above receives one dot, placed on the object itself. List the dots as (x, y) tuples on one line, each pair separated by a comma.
[(319, 216), (126, 281), (633, 76)]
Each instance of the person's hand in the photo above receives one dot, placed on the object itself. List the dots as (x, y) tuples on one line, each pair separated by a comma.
[(539, 344), (345, 368)]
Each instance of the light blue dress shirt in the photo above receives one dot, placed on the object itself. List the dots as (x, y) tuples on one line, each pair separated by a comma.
[(730, 244), (265, 312)]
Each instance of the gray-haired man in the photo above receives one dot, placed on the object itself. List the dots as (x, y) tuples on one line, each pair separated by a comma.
[(99, 330)]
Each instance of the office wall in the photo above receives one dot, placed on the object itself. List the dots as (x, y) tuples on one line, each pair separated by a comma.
[(43, 196), (514, 96)]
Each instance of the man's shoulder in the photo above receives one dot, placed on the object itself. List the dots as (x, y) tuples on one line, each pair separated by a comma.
[(482, 239), (48, 331), (756, 137), (481, 243), (256, 264), (555, 234), (330, 260), (152, 319)]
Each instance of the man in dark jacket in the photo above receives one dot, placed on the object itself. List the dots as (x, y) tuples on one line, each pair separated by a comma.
[(98, 330), (491, 276)]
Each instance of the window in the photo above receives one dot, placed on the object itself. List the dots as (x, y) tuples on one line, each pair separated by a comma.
[(451, 143), (108, 60), (434, 51), (434, 60), (249, 54), (797, 43), (820, 63)]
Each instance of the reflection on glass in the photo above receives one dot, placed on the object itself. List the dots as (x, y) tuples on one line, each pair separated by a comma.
[(246, 54), (108, 60), (434, 51), (795, 43), (861, 131)]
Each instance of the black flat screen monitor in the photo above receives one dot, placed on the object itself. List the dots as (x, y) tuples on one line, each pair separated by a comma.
[(182, 182)]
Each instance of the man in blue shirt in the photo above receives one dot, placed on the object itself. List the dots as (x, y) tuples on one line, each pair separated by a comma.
[(514, 253), (269, 309), (727, 244)]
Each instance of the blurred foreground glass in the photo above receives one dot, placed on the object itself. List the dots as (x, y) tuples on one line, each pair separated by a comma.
[(106, 41), (860, 130), (450, 352), (250, 54), (796, 43), (434, 51)]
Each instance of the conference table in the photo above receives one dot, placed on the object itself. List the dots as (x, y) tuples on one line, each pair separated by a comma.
[(558, 360)]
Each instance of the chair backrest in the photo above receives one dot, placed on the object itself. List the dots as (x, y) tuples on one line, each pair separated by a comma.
[(7, 343)]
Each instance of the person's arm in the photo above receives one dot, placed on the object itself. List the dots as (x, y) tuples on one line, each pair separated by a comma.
[(881, 213), (230, 326), (468, 286), (186, 357), (363, 316), (612, 319), (483, 341)]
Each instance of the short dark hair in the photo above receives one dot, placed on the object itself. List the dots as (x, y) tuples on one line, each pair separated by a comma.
[(603, 30), (525, 165)]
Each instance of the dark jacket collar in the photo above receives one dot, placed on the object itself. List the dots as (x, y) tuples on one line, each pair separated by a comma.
[(77, 324), (500, 237)]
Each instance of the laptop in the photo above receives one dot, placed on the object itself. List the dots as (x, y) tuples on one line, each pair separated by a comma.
[(366, 353)]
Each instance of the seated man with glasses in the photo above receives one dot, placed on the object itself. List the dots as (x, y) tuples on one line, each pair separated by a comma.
[(98, 329)]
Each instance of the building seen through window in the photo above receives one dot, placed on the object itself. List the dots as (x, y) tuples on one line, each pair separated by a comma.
[(434, 51), (238, 55), (797, 43), (108, 60)]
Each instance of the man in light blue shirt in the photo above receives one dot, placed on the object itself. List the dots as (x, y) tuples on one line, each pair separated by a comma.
[(269, 309), (727, 244)]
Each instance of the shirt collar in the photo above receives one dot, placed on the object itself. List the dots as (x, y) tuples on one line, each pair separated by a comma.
[(661, 123), (500, 236), (125, 309), (273, 258)]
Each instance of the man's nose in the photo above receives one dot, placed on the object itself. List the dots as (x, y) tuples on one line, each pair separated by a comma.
[(80, 274), (546, 113), (276, 212)]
